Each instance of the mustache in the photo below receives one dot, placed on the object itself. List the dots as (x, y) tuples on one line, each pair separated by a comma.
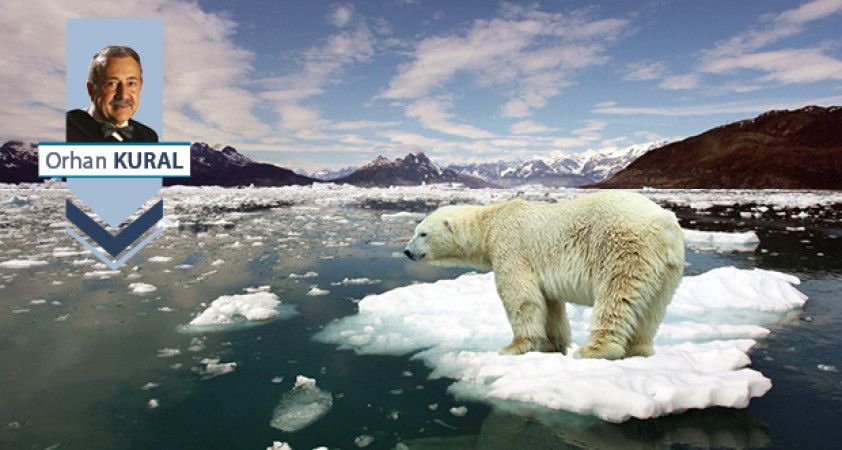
[(119, 103)]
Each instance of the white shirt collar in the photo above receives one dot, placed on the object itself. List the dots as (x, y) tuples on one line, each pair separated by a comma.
[(115, 134)]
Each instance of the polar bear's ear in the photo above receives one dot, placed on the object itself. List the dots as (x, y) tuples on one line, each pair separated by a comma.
[(448, 225)]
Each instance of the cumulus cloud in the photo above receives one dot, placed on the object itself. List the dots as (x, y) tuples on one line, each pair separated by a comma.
[(532, 52)]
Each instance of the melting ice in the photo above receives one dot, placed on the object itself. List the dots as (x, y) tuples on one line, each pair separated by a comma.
[(701, 350)]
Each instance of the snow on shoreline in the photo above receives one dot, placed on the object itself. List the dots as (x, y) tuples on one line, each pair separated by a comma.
[(456, 327)]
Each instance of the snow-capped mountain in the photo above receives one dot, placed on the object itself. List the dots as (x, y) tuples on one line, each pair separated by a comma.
[(328, 174), (411, 170), (18, 162), (561, 170)]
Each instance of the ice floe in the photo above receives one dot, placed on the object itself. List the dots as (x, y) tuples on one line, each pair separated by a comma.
[(301, 406), (316, 292), (721, 241), (256, 305), (141, 288), (22, 263), (355, 281), (211, 368), (457, 326), (403, 215)]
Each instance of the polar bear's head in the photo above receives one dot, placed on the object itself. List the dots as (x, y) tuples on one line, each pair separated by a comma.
[(444, 237)]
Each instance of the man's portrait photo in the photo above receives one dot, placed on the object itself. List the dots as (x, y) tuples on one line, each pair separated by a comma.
[(115, 82)]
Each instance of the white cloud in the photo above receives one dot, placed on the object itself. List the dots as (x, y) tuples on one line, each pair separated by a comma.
[(435, 115), (533, 52), (645, 71), (785, 66), (530, 127), (341, 15), (680, 82), (777, 27)]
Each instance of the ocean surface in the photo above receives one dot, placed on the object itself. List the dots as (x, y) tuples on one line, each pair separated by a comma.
[(89, 364)]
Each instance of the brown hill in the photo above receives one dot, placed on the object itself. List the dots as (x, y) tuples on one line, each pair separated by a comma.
[(799, 149)]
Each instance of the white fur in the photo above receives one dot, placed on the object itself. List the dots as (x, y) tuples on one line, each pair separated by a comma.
[(614, 250)]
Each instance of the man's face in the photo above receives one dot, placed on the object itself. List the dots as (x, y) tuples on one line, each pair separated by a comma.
[(116, 94)]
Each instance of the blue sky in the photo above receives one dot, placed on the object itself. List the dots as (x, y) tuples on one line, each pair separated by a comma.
[(327, 84)]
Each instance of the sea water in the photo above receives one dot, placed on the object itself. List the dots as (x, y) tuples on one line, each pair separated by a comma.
[(90, 361)]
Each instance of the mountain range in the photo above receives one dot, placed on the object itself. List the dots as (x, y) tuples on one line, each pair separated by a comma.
[(565, 170), (411, 170), (800, 149)]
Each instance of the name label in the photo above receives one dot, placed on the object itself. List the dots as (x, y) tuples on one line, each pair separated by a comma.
[(162, 159)]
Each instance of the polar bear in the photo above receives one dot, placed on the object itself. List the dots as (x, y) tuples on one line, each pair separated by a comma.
[(614, 250)]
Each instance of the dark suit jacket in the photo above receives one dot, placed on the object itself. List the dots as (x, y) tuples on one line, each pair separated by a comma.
[(81, 127)]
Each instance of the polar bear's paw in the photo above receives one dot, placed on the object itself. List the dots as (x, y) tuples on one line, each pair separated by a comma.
[(602, 350), (521, 345)]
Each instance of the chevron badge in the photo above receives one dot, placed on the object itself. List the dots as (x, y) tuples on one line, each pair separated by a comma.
[(116, 182)]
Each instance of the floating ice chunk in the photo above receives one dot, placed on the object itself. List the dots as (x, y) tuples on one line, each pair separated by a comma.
[(256, 306), (310, 274), (721, 242), (38, 301), (153, 403), (301, 406), (277, 380), (403, 215), (160, 259), (149, 385), (211, 368), (141, 288), (355, 281), (264, 288), (168, 352), (827, 368), (459, 411), (218, 262), (101, 274), (363, 440), (316, 292), (278, 445), (701, 352), (22, 264), (196, 345)]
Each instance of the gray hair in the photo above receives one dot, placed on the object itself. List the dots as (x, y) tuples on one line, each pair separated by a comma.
[(101, 59)]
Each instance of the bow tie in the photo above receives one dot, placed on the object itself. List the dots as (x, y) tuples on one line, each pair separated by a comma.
[(109, 128)]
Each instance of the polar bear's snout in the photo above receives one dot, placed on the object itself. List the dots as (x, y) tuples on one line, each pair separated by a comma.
[(413, 255), (413, 252)]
